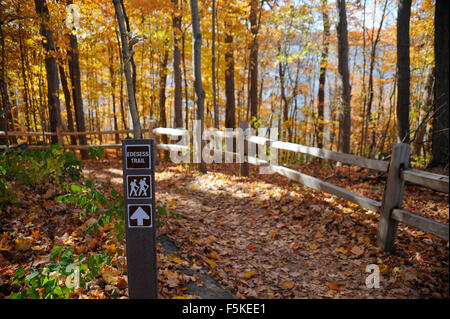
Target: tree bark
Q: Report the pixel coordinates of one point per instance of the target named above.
(200, 93)
(51, 67)
(253, 66)
(344, 78)
(323, 74)
(162, 93)
(213, 65)
(178, 98)
(440, 136)
(65, 86)
(403, 62)
(113, 90)
(128, 76)
(75, 78)
(4, 90)
(230, 109)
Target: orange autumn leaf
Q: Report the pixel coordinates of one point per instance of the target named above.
(334, 286)
(211, 263)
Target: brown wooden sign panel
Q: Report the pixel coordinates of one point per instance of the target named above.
(139, 204)
(138, 156)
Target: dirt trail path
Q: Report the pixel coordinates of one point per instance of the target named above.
(267, 237)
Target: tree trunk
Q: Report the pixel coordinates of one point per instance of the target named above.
(323, 74)
(373, 52)
(404, 12)
(4, 90)
(344, 77)
(440, 136)
(213, 65)
(113, 90)
(253, 66)
(186, 96)
(230, 109)
(178, 100)
(26, 95)
(121, 99)
(51, 68)
(162, 93)
(128, 76)
(66, 91)
(75, 78)
(200, 93)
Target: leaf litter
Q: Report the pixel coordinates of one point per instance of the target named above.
(259, 237)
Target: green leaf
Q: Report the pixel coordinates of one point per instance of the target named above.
(75, 188)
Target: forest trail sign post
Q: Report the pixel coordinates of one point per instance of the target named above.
(139, 203)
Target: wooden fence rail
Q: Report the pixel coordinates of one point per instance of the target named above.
(397, 170)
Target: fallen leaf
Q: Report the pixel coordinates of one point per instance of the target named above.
(334, 286)
(358, 251)
(4, 245)
(251, 247)
(23, 243)
(274, 235)
(212, 255)
(110, 274)
(122, 282)
(174, 258)
(342, 250)
(313, 246)
(110, 248)
(249, 274)
(211, 263)
(287, 285)
(296, 246)
(172, 279)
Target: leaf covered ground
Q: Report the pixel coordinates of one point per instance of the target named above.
(258, 237)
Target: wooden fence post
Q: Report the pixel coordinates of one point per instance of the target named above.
(392, 197)
(244, 164)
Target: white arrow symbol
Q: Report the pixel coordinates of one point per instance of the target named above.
(140, 215)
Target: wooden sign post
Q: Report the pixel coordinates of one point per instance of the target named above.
(140, 222)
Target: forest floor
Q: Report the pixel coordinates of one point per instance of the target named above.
(261, 236)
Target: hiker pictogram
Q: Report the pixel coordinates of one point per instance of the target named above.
(139, 186)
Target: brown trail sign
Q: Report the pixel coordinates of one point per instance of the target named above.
(139, 203)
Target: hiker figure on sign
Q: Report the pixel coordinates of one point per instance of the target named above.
(143, 187)
(134, 188)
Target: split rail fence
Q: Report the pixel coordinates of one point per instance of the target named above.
(397, 170)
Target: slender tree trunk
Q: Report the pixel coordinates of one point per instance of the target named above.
(4, 90)
(200, 93)
(51, 67)
(26, 95)
(162, 92)
(75, 79)
(66, 91)
(113, 90)
(373, 53)
(230, 109)
(404, 12)
(186, 96)
(253, 66)
(178, 100)
(344, 77)
(128, 76)
(213, 65)
(440, 134)
(121, 98)
(323, 74)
